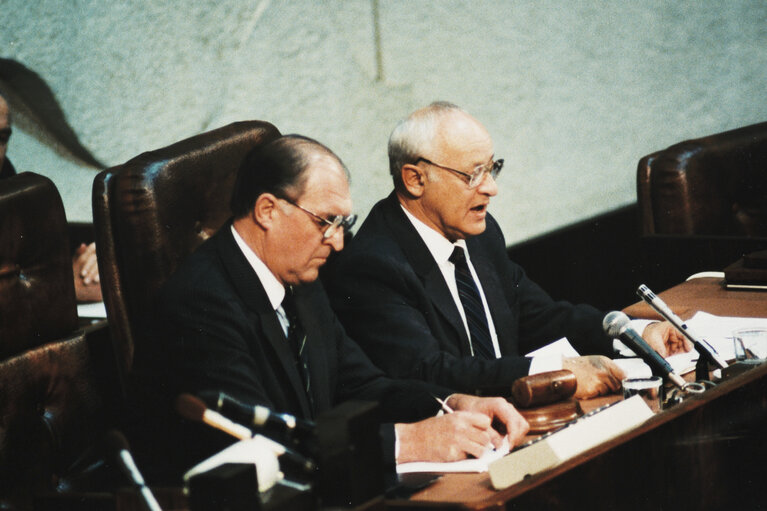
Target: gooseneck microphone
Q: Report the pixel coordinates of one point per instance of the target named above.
(617, 325)
(193, 408)
(257, 416)
(118, 447)
(703, 347)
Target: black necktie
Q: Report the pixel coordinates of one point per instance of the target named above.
(479, 332)
(297, 340)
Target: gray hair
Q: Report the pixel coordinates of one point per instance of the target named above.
(414, 135)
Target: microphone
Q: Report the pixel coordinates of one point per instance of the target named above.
(118, 446)
(703, 347)
(260, 416)
(193, 408)
(617, 325)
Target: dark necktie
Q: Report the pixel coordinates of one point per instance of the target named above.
(479, 332)
(297, 340)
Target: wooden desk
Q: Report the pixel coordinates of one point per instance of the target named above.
(706, 453)
(707, 295)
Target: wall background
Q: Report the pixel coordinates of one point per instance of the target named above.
(574, 92)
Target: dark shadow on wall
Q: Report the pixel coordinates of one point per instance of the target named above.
(595, 261)
(34, 109)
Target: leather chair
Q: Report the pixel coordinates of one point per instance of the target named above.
(155, 209)
(703, 202)
(54, 377)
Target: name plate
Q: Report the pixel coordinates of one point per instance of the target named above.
(573, 439)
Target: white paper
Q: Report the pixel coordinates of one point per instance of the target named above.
(561, 348)
(91, 310)
(469, 465)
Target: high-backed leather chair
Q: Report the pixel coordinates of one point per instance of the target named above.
(54, 377)
(155, 209)
(715, 185)
(703, 202)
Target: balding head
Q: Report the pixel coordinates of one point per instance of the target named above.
(441, 160)
(278, 167)
(421, 133)
(292, 206)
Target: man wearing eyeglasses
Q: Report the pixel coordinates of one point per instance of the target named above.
(244, 315)
(426, 286)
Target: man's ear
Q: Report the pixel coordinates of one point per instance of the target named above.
(264, 212)
(413, 179)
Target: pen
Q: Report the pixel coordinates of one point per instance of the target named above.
(443, 404)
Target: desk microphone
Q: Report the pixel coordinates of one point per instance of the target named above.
(260, 416)
(193, 408)
(617, 325)
(118, 447)
(703, 347)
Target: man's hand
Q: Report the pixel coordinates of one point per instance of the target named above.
(497, 410)
(86, 274)
(466, 432)
(665, 339)
(596, 375)
(450, 437)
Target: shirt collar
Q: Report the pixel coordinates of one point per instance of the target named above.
(439, 246)
(275, 291)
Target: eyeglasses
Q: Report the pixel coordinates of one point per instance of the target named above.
(476, 177)
(329, 226)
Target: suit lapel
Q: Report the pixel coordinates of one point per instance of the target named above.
(253, 294)
(426, 268)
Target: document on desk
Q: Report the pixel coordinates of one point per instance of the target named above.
(469, 465)
(717, 330)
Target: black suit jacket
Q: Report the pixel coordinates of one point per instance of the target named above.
(7, 169)
(393, 300)
(216, 331)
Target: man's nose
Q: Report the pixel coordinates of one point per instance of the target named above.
(336, 241)
(488, 186)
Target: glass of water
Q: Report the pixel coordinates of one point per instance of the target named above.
(650, 388)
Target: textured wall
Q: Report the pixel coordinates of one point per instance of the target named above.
(574, 92)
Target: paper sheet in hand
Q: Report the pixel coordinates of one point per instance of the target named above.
(469, 465)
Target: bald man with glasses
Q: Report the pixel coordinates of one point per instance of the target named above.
(426, 286)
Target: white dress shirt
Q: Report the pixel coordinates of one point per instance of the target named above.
(441, 249)
(275, 291)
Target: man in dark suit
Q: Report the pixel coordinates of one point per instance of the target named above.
(245, 315)
(426, 286)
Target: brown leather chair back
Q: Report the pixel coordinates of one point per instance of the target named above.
(51, 394)
(715, 185)
(157, 208)
(35, 265)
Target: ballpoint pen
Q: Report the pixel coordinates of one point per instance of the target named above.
(444, 405)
